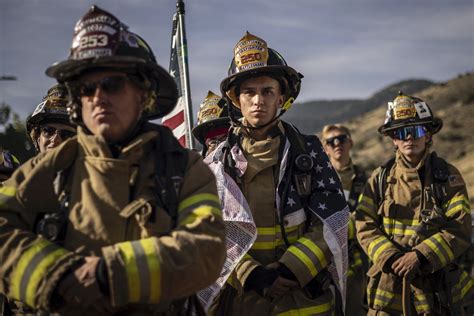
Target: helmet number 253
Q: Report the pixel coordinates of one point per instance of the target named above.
(90, 41)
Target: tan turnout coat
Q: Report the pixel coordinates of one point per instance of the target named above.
(392, 229)
(113, 214)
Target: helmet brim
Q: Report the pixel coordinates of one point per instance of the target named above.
(200, 130)
(285, 71)
(47, 118)
(166, 89)
(434, 125)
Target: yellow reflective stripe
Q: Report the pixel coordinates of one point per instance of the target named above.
(269, 245)
(400, 221)
(142, 268)
(8, 191)
(377, 246)
(131, 268)
(303, 258)
(400, 226)
(266, 230)
(357, 259)
(365, 204)
(364, 209)
(313, 310)
(201, 211)
(351, 229)
(421, 303)
(246, 257)
(32, 267)
(366, 200)
(434, 242)
(454, 210)
(350, 273)
(456, 204)
(381, 298)
(274, 230)
(455, 199)
(315, 250)
(445, 246)
(154, 268)
(198, 198)
(465, 289)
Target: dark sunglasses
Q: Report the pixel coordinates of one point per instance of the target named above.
(415, 131)
(340, 139)
(112, 84)
(49, 132)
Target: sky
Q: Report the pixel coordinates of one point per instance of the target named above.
(345, 49)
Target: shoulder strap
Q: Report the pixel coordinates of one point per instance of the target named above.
(381, 180)
(440, 174)
(170, 165)
(295, 138)
(357, 184)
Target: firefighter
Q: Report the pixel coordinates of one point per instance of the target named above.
(49, 125)
(291, 189)
(413, 221)
(213, 123)
(8, 164)
(337, 142)
(132, 224)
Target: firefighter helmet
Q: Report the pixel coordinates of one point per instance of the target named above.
(253, 57)
(53, 108)
(102, 41)
(409, 111)
(213, 116)
(8, 164)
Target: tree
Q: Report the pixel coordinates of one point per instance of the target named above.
(14, 137)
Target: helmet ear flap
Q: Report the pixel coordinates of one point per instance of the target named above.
(234, 98)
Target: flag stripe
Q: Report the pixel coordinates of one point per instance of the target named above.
(175, 121)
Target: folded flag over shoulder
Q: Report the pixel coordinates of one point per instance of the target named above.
(180, 120)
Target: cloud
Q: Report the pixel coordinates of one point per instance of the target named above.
(344, 48)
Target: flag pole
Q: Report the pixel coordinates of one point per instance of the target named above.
(186, 86)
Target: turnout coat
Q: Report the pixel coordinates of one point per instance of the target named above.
(113, 213)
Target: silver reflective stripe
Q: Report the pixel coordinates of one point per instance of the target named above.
(284, 161)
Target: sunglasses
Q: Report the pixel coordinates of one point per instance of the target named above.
(112, 84)
(341, 139)
(49, 132)
(415, 131)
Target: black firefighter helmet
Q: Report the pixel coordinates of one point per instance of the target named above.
(51, 109)
(252, 57)
(213, 115)
(101, 41)
(406, 110)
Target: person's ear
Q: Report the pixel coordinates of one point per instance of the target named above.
(281, 100)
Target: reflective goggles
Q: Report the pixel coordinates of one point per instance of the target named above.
(336, 140)
(415, 131)
(49, 132)
(112, 84)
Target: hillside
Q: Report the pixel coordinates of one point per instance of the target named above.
(452, 101)
(310, 117)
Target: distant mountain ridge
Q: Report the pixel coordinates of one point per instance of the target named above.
(311, 116)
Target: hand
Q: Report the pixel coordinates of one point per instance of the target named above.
(80, 287)
(280, 286)
(406, 264)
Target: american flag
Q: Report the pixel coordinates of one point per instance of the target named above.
(180, 119)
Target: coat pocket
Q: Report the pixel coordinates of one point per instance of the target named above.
(145, 220)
